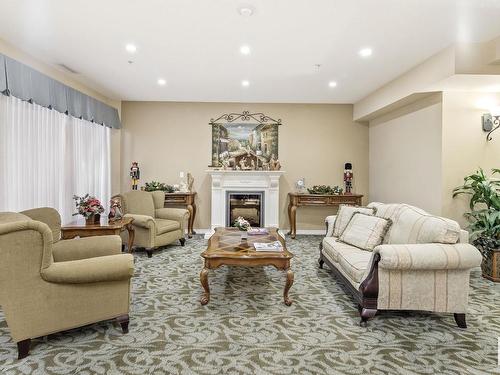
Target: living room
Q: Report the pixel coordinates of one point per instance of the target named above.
(249, 187)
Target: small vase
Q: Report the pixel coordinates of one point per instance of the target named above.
(93, 219)
(244, 235)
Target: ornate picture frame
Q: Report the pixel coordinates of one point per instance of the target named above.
(245, 141)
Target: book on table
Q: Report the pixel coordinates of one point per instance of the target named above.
(257, 231)
(268, 246)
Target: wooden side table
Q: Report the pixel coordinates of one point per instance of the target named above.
(187, 200)
(78, 228)
(299, 199)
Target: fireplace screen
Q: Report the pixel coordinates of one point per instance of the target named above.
(249, 205)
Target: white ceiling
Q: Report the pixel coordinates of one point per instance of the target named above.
(194, 44)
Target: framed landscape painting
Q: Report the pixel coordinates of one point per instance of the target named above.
(244, 141)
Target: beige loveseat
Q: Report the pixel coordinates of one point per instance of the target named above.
(47, 288)
(423, 263)
(154, 224)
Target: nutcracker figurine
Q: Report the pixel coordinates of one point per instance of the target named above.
(135, 174)
(348, 176)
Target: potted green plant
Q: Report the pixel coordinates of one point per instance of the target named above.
(484, 218)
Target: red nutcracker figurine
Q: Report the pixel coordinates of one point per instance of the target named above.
(135, 174)
(348, 176)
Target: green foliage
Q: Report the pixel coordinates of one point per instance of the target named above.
(484, 203)
(325, 189)
(155, 185)
(481, 189)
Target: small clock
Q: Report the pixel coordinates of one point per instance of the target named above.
(300, 185)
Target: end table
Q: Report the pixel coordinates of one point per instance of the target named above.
(78, 228)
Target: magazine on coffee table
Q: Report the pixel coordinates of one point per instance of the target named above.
(257, 231)
(268, 246)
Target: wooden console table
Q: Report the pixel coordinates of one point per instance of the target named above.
(299, 199)
(79, 228)
(183, 199)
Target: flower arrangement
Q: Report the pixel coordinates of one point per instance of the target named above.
(241, 223)
(87, 206)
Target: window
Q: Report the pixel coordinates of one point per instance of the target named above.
(46, 157)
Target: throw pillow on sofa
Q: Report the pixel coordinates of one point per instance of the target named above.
(344, 215)
(413, 225)
(365, 231)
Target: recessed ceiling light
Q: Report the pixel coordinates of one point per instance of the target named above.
(365, 52)
(245, 83)
(246, 10)
(162, 82)
(332, 84)
(245, 50)
(131, 48)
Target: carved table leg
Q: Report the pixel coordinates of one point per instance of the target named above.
(190, 220)
(293, 221)
(131, 237)
(290, 217)
(204, 282)
(194, 216)
(288, 285)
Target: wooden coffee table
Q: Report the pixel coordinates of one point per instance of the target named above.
(78, 228)
(226, 248)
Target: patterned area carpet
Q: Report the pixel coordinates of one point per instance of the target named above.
(246, 328)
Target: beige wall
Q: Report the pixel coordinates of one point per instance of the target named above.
(314, 142)
(66, 78)
(405, 155)
(464, 145)
(419, 153)
(416, 80)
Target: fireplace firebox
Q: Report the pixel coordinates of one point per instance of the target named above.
(248, 204)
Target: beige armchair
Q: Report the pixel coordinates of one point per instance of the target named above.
(154, 225)
(45, 288)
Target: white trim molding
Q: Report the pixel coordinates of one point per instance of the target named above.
(265, 181)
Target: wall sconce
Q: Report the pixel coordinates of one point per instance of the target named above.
(490, 124)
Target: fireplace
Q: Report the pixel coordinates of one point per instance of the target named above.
(248, 204)
(265, 183)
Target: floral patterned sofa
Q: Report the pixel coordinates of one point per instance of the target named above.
(422, 262)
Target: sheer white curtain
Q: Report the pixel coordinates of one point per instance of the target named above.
(46, 157)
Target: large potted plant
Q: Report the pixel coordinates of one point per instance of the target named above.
(484, 218)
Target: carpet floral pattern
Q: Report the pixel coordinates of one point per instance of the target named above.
(246, 328)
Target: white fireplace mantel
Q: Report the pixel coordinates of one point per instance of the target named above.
(229, 180)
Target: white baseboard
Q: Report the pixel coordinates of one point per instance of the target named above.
(312, 232)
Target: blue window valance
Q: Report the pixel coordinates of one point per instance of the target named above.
(26, 83)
